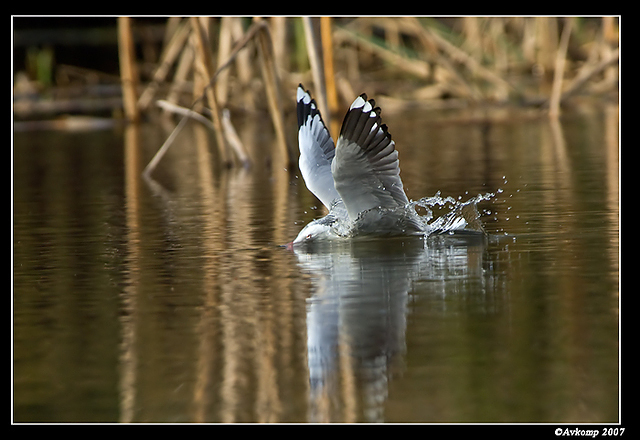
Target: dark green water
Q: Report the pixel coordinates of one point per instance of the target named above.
(134, 302)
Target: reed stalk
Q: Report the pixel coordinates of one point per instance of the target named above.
(259, 29)
(234, 140)
(546, 35)
(242, 58)
(418, 68)
(185, 64)
(458, 55)
(329, 73)
(272, 88)
(178, 110)
(128, 69)
(609, 34)
(317, 72)
(554, 101)
(224, 49)
(588, 72)
(279, 37)
(170, 53)
(205, 66)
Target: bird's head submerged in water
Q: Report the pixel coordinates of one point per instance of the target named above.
(316, 230)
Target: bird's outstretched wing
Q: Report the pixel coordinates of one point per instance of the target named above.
(316, 149)
(365, 168)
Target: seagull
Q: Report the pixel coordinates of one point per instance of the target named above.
(358, 180)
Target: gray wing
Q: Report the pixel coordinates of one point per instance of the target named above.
(316, 149)
(365, 169)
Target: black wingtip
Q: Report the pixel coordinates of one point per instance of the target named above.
(307, 108)
(359, 125)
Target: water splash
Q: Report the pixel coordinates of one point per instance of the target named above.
(453, 215)
(458, 215)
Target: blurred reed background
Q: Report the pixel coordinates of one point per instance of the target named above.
(214, 69)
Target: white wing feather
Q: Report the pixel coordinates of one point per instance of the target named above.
(316, 150)
(365, 168)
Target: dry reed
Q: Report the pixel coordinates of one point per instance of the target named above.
(554, 100)
(128, 70)
(409, 61)
(481, 63)
(260, 31)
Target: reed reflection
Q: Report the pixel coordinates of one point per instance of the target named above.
(357, 314)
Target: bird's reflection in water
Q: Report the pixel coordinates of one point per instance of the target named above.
(356, 316)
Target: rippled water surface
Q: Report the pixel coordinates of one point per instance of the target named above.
(171, 300)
